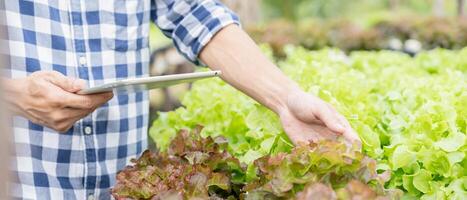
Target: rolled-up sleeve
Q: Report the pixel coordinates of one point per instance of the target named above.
(191, 23)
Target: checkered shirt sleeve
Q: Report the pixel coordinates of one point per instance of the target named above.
(191, 23)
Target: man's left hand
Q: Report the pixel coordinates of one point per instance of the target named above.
(308, 118)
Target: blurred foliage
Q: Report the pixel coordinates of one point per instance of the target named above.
(277, 34)
(157, 39)
(295, 10)
(427, 32)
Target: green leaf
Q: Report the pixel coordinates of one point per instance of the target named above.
(402, 157)
(437, 162)
(422, 180)
(220, 180)
(453, 142)
(455, 157)
(369, 138)
(457, 190)
(407, 181)
(250, 156)
(261, 119)
(268, 144)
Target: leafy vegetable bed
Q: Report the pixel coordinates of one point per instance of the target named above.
(411, 114)
(201, 168)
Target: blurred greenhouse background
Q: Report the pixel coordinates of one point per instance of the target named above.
(401, 25)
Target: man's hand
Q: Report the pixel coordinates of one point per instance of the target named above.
(48, 98)
(243, 65)
(308, 118)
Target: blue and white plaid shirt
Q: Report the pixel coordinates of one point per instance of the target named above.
(99, 41)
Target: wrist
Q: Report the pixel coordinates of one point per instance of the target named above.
(288, 91)
(13, 90)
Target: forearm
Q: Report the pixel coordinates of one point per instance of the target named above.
(245, 67)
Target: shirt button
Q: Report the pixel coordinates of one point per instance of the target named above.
(91, 197)
(82, 60)
(87, 130)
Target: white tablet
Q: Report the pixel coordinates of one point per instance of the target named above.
(147, 83)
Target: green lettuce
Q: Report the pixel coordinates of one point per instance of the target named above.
(411, 114)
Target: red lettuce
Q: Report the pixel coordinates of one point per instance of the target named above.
(201, 168)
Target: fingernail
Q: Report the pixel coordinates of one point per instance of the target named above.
(340, 127)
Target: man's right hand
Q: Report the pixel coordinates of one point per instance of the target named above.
(49, 98)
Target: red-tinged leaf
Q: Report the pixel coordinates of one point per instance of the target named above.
(357, 190)
(317, 191)
(169, 195)
(177, 146)
(196, 157)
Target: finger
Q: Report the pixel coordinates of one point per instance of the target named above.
(324, 132)
(351, 136)
(90, 101)
(66, 83)
(342, 120)
(74, 114)
(64, 119)
(330, 117)
(71, 100)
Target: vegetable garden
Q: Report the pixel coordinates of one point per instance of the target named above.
(397, 74)
(410, 112)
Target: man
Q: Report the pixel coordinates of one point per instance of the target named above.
(70, 146)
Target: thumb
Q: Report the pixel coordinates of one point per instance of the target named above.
(68, 84)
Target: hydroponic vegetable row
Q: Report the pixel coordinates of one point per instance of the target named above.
(411, 114)
(410, 34)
